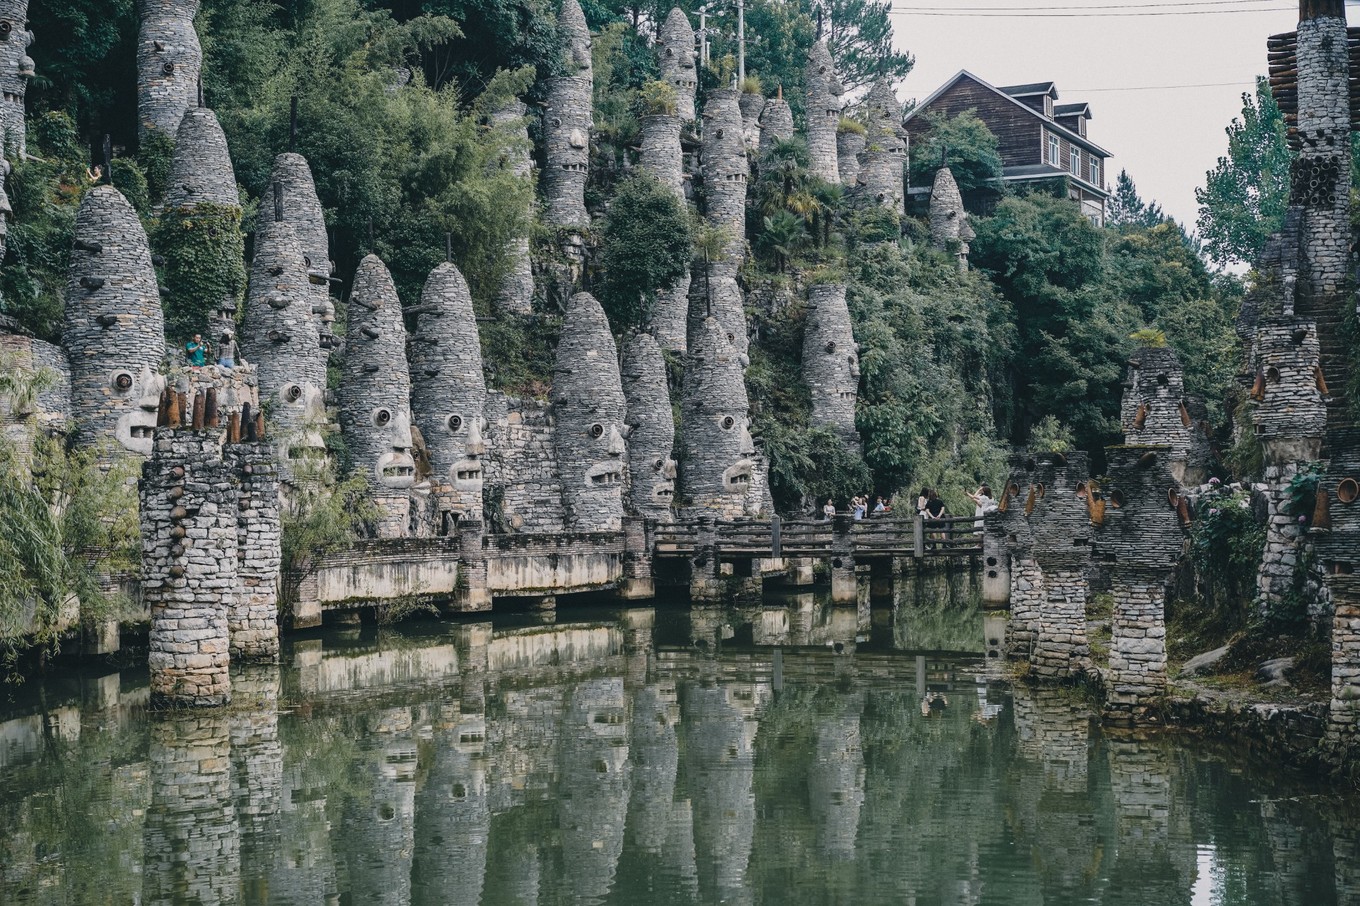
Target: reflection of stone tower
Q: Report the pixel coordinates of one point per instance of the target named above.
(1145, 859)
(169, 60)
(253, 615)
(651, 430)
(16, 68)
(302, 210)
(836, 779)
(1061, 531)
(191, 831)
(516, 293)
(189, 566)
(257, 770)
(448, 391)
(885, 154)
(823, 111)
(677, 61)
(453, 815)
(375, 389)
(719, 476)
(1155, 410)
(831, 361)
(776, 122)
(587, 393)
(566, 125)
(1141, 543)
(594, 766)
(114, 330)
(203, 185)
(950, 230)
(383, 820)
(656, 755)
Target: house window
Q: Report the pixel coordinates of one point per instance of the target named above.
(1053, 150)
(1048, 106)
(1074, 163)
(1095, 171)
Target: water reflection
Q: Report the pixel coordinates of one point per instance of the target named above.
(783, 751)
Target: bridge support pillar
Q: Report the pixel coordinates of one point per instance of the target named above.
(844, 585)
(800, 571)
(996, 560)
(705, 582)
(638, 581)
(472, 595)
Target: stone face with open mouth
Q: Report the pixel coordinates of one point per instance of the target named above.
(604, 475)
(137, 426)
(737, 478)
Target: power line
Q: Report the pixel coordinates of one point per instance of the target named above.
(1159, 87)
(996, 14)
(1084, 7)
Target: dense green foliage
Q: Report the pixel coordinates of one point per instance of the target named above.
(204, 268)
(646, 240)
(968, 145)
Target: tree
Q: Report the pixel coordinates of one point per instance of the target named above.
(1244, 197)
(974, 157)
(1127, 210)
(859, 34)
(647, 242)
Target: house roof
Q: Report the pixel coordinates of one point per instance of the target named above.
(1056, 127)
(1029, 89)
(1081, 109)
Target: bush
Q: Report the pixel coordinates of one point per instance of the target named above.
(647, 247)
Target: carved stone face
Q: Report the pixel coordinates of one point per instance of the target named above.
(466, 474)
(137, 424)
(605, 445)
(737, 477)
(301, 406)
(396, 467)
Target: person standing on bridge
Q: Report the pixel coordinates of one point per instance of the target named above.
(829, 511)
(982, 503)
(933, 513)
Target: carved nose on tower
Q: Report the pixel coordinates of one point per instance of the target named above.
(616, 447)
(475, 445)
(748, 445)
(401, 431)
(150, 386)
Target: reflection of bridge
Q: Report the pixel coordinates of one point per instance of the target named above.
(717, 557)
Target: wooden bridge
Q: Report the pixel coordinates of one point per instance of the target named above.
(872, 538)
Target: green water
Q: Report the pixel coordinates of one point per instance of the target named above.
(786, 753)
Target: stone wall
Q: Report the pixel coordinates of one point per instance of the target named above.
(831, 360)
(776, 122)
(823, 111)
(752, 106)
(718, 468)
(516, 293)
(1061, 532)
(375, 393)
(663, 157)
(882, 180)
(523, 491)
(1154, 410)
(950, 230)
(169, 60)
(725, 172)
(50, 413)
(1336, 539)
(190, 566)
(850, 146)
(16, 68)
(650, 430)
(114, 329)
(588, 402)
(252, 617)
(677, 61)
(567, 120)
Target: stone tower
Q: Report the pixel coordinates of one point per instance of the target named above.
(1060, 527)
(752, 106)
(302, 210)
(725, 173)
(885, 154)
(663, 158)
(448, 391)
(252, 617)
(831, 360)
(950, 230)
(1141, 541)
(375, 393)
(587, 396)
(850, 145)
(776, 121)
(677, 61)
(651, 430)
(280, 338)
(169, 61)
(566, 125)
(516, 293)
(1155, 410)
(16, 68)
(114, 331)
(202, 180)
(719, 464)
(823, 111)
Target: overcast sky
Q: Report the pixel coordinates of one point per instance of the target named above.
(1166, 139)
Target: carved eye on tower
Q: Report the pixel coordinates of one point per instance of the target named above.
(670, 51)
(557, 121)
(728, 423)
(821, 70)
(168, 68)
(658, 464)
(121, 381)
(830, 346)
(292, 393)
(597, 430)
(382, 417)
(6, 27)
(454, 423)
(718, 134)
(1162, 379)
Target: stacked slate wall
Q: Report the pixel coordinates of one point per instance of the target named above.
(1154, 410)
(252, 617)
(516, 293)
(16, 68)
(719, 468)
(523, 492)
(725, 173)
(950, 230)
(885, 157)
(650, 429)
(823, 112)
(1026, 580)
(677, 61)
(1061, 531)
(566, 126)
(1336, 541)
(831, 360)
(169, 61)
(302, 210)
(776, 122)
(663, 157)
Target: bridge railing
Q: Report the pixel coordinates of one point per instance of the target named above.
(872, 537)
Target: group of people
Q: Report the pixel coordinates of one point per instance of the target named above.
(199, 352)
(859, 507)
(929, 506)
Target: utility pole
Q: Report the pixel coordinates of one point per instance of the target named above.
(741, 43)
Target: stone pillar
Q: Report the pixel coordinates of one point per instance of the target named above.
(720, 467)
(1062, 548)
(516, 293)
(1337, 544)
(850, 146)
(885, 157)
(114, 330)
(169, 60)
(252, 620)
(302, 210)
(725, 173)
(473, 594)
(823, 111)
(375, 393)
(844, 587)
(950, 230)
(1141, 541)
(566, 126)
(638, 581)
(663, 158)
(587, 394)
(257, 772)
(752, 106)
(191, 833)
(996, 560)
(705, 582)
(677, 61)
(16, 68)
(190, 577)
(448, 393)
(1026, 579)
(651, 431)
(831, 361)
(776, 122)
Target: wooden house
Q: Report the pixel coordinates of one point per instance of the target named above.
(1039, 139)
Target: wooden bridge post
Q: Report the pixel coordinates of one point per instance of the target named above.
(844, 588)
(918, 536)
(704, 581)
(472, 594)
